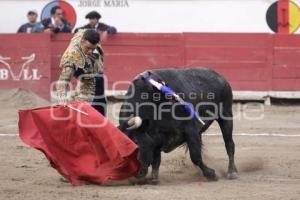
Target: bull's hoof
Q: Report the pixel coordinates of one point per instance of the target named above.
(138, 181)
(211, 175)
(63, 180)
(214, 178)
(232, 175)
(154, 181)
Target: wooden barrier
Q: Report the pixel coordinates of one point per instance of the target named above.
(251, 62)
(25, 62)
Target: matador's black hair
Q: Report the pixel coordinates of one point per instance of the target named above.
(92, 36)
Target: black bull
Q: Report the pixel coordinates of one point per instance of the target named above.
(156, 122)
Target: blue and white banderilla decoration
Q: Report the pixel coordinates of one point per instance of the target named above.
(166, 90)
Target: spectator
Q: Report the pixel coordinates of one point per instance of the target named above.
(32, 25)
(94, 18)
(56, 24)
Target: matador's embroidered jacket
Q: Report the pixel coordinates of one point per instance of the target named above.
(86, 69)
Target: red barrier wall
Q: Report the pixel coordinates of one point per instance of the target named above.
(25, 62)
(257, 62)
(244, 59)
(286, 62)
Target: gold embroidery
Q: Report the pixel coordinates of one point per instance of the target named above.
(72, 60)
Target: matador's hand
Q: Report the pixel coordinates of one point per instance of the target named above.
(62, 100)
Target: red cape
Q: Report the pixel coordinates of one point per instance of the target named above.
(81, 148)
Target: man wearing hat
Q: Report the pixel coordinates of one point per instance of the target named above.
(56, 23)
(32, 25)
(94, 23)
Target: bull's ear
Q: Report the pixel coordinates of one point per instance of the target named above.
(145, 126)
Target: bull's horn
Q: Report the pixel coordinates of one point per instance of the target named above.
(134, 123)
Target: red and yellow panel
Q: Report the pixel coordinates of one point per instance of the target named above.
(283, 16)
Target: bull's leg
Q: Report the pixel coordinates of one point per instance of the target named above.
(194, 143)
(145, 156)
(226, 126)
(155, 166)
(145, 163)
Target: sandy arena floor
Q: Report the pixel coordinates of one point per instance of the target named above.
(269, 165)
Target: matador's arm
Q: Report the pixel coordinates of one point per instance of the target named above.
(63, 83)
